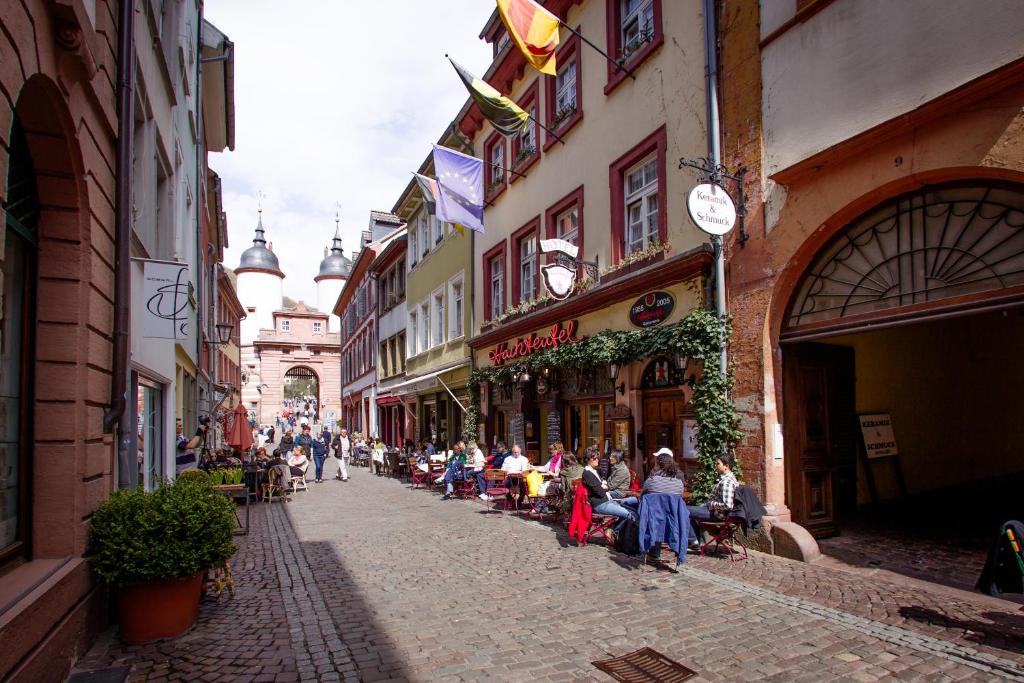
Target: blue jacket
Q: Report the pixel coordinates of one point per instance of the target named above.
(318, 448)
(664, 518)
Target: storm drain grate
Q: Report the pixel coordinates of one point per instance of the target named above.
(643, 666)
(117, 674)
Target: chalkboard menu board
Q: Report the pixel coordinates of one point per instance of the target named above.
(517, 428)
(554, 427)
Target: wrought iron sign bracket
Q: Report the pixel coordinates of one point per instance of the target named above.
(715, 173)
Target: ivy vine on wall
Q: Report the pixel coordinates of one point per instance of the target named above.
(699, 336)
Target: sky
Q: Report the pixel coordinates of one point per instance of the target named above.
(336, 101)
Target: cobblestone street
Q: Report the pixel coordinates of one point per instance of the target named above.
(371, 581)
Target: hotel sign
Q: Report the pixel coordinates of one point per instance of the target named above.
(560, 334)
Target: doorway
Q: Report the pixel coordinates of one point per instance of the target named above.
(302, 394)
(667, 421)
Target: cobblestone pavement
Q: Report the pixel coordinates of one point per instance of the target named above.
(367, 580)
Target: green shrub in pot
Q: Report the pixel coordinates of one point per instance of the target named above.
(174, 532)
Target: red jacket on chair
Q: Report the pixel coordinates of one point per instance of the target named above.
(579, 522)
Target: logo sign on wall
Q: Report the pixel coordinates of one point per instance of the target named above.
(652, 309)
(165, 295)
(711, 209)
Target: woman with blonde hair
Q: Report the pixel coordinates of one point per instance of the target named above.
(554, 465)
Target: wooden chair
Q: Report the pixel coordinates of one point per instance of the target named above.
(273, 487)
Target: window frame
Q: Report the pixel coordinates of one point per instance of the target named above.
(425, 325)
(574, 198)
(286, 325)
(492, 190)
(570, 51)
(531, 229)
(497, 252)
(318, 327)
(457, 322)
(413, 246)
(414, 334)
(657, 143)
(529, 100)
(613, 26)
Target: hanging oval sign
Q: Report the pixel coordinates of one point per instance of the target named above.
(652, 309)
(711, 208)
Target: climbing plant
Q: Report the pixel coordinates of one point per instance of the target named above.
(699, 336)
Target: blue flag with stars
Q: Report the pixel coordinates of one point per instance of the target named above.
(460, 184)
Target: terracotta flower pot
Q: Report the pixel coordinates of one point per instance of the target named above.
(161, 609)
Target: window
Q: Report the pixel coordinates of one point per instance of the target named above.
(634, 33)
(638, 197)
(567, 225)
(401, 351)
(400, 289)
(456, 307)
(318, 327)
(501, 42)
(286, 325)
(424, 327)
(524, 145)
(393, 355)
(565, 91)
(424, 228)
(438, 227)
(385, 368)
(642, 205)
(437, 313)
(494, 282)
(413, 332)
(563, 105)
(494, 154)
(526, 264)
(414, 252)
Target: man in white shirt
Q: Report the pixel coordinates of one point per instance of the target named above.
(516, 463)
(343, 451)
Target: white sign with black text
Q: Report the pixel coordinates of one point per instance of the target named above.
(711, 209)
(879, 438)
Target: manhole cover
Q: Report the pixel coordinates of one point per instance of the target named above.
(645, 665)
(116, 674)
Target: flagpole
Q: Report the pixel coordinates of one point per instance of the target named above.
(550, 132)
(586, 40)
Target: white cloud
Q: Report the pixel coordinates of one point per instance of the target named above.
(335, 101)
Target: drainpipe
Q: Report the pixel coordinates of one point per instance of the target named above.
(200, 147)
(714, 152)
(118, 412)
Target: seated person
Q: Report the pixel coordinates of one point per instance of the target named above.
(664, 479)
(475, 464)
(722, 498)
(516, 463)
(455, 469)
(597, 492)
(298, 462)
(278, 464)
(554, 465)
(619, 478)
(498, 458)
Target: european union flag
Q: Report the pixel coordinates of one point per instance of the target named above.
(460, 182)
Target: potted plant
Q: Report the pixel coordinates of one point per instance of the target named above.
(153, 548)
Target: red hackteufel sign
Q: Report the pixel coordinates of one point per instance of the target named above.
(558, 336)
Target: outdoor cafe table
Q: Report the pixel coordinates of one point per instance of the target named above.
(237, 492)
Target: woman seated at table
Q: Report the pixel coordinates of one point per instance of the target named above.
(298, 463)
(554, 465)
(597, 491)
(571, 472)
(665, 477)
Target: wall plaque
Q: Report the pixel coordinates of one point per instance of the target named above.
(652, 309)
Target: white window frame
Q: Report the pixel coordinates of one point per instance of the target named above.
(565, 87)
(437, 317)
(425, 332)
(635, 23)
(318, 327)
(572, 235)
(528, 135)
(413, 337)
(497, 297)
(437, 228)
(641, 229)
(286, 325)
(457, 306)
(497, 160)
(414, 252)
(424, 227)
(530, 260)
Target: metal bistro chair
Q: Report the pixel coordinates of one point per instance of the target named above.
(417, 477)
(725, 533)
(435, 471)
(464, 488)
(498, 490)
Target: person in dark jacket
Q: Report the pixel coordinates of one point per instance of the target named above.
(597, 491)
(318, 447)
(664, 479)
(500, 453)
(287, 443)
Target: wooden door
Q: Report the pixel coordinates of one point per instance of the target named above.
(820, 436)
(663, 427)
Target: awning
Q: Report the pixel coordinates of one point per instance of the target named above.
(425, 378)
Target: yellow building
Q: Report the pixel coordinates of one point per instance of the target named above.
(612, 188)
(439, 266)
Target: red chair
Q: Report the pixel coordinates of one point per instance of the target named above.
(600, 525)
(419, 478)
(724, 534)
(435, 471)
(494, 481)
(464, 488)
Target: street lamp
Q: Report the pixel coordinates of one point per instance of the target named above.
(224, 331)
(613, 374)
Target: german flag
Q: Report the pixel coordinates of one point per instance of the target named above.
(534, 30)
(504, 114)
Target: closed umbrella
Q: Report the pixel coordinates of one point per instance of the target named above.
(240, 435)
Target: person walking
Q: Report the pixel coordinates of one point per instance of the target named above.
(342, 451)
(287, 443)
(319, 450)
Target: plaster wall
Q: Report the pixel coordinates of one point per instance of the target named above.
(858, 63)
(265, 293)
(327, 292)
(953, 390)
(668, 90)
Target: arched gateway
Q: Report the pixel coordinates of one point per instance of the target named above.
(300, 385)
(915, 311)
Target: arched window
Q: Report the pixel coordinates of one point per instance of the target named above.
(953, 243)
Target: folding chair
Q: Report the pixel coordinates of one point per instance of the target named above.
(725, 534)
(300, 482)
(600, 525)
(497, 490)
(436, 470)
(417, 477)
(464, 488)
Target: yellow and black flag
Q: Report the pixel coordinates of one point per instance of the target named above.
(502, 112)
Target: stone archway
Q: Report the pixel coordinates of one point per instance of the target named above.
(301, 384)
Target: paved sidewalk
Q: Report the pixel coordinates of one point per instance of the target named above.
(367, 580)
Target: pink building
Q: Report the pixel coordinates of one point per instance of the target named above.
(298, 357)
